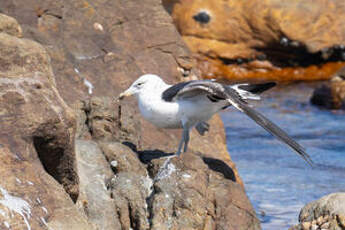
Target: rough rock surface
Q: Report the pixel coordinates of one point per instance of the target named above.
(196, 191)
(197, 183)
(325, 213)
(269, 39)
(97, 48)
(331, 95)
(37, 160)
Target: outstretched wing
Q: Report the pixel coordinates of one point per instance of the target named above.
(266, 124)
(215, 91)
(236, 96)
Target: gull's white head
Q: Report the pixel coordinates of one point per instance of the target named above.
(143, 83)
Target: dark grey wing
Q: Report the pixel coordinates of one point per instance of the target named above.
(237, 102)
(170, 93)
(213, 90)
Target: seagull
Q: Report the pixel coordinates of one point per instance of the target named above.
(191, 104)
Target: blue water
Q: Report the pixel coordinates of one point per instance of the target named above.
(278, 182)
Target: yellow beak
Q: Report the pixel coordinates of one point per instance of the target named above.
(124, 94)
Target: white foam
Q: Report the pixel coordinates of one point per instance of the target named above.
(17, 205)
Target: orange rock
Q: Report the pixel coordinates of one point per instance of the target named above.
(263, 39)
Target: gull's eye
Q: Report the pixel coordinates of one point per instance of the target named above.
(140, 83)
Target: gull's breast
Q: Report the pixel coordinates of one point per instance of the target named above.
(160, 113)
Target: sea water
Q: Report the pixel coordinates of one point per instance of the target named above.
(279, 182)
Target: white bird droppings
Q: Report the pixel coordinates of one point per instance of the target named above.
(17, 205)
(44, 210)
(7, 224)
(88, 85)
(113, 164)
(98, 26)
(166, 170)
(187, 176)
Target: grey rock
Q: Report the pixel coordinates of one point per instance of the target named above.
(332, 204)
(94, 176)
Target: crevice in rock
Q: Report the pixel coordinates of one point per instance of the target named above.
(49, 155)
(87, 111)
(149, 203)
(53, 159)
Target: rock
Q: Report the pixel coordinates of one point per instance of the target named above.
(306, 225)
(126, 160)
(95, 176)
(325, 213)
(10, 26)
(325, 225)
(91, 67)
(332, 204)
(331, 95)
(242, 41)
(192, 193)
(37, 158)
(196, 192)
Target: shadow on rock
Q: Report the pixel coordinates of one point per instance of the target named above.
(221, 167)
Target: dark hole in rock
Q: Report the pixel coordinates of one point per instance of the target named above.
(202, 17)
(221, 167)
(52, 157)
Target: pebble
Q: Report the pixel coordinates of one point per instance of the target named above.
(98, 26)
(325, 225)
(314, 227)
(306, 225)
(319, 220)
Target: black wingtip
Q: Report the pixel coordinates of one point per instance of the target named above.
(307, 158)
(258, 88)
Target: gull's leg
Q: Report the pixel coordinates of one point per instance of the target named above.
(182, 141)
(186, 139)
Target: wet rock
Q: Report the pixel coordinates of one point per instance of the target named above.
(325, 213)
(37, 158)
(331, 95)
(219, 34)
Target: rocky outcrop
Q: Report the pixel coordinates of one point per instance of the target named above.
(331, 95)
(269, 39)
(96, 50)
(196, 191)
(37, 159)
(325, 213)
